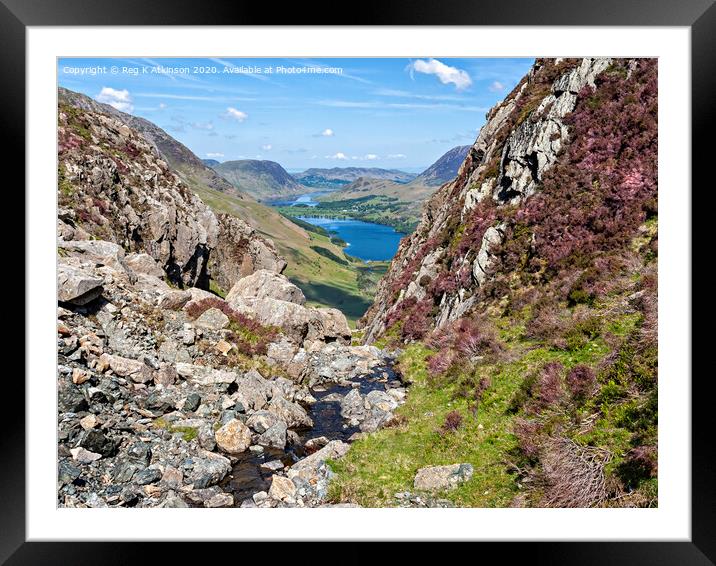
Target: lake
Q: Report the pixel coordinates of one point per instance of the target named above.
(306, 199)
(366, 240)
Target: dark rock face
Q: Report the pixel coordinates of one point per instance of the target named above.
(192, 402)
(97, 442)
(71, 400)
(241, 251)
(67, 473)
(140, 453)
(150, 475)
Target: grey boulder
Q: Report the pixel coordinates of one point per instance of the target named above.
(76, 286)
(265, 283)
(436, 478)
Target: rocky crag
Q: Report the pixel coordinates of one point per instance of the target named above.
(114, 186)
(453, 252)
(167, 393)
(527, 297)
(192, 170)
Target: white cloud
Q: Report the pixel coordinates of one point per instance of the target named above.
(366, 157)
(327, 133)
(206, 126)
(119, 99)
(266, 147)
(213, 155)
(162, 106)
(496, 86)
(339, 155)
(444, 73)
(397, 156)
(235, 114)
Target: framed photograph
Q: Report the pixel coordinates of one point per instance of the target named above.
(295, 278)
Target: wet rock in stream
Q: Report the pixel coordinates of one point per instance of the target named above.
(303, 462)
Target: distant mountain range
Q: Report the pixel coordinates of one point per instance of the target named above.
(338, 177)
(390, 202)
(444, 169)
(366, 186)
(415, 191)
(263, 180)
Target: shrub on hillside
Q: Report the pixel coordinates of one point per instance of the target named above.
(417, 324)
(529, 437)
(573, 475)
(411, 318)
(249, 336)
(548, 323)
(581, 381)
(640, 463)
(648, 303)
(194, 309)
(452, 422)
(470, 336)
(584, 326)
(474, 397)
(540, 391)
(549, 386)
(632, 367)
(440, 362)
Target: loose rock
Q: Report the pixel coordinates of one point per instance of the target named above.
(281, 488)
(436, 478)
(234, 437)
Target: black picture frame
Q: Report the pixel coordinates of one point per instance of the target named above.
(698, 15)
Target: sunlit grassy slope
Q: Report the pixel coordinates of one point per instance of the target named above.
(384, 463)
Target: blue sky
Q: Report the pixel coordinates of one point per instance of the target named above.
(387, 112)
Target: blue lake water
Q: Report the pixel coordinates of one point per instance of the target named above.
(306, 199)
(366, 240)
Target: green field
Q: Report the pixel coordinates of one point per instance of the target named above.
(391, 211)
